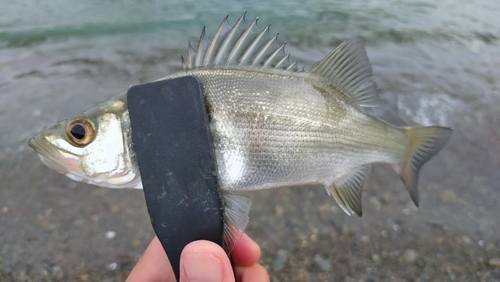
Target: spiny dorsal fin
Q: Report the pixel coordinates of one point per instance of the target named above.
(347, 192)
(348, 69)
(190, 58)
(239, 45)
(203, 44)
(229, 40)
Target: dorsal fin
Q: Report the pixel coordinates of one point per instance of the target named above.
(203, 44)
(239, 45)
(228, 42)
(348, 69)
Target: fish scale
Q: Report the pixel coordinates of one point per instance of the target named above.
(329, 125)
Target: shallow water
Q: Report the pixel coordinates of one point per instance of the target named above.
(48, 50)
(435, 63)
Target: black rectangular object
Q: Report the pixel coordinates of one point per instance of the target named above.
(173, 147)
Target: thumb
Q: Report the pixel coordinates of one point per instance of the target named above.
(205, 261)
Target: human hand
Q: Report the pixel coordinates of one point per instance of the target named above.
(202, 261)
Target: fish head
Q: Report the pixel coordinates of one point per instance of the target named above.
(93, 147)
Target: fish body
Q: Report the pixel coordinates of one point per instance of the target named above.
(273, 129)
(272, 124)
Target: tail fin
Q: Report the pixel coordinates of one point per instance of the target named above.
(424, 143)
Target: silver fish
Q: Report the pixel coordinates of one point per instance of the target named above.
(272, 123)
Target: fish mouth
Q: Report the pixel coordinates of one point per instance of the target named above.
(49, 157)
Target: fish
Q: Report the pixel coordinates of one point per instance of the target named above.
(273, 124)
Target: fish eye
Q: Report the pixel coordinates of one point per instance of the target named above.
(80, 131)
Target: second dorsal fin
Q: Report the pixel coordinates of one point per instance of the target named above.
(348, 69)
(239, 45)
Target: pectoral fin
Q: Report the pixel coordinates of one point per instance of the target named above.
(236, 209)
(347, 192)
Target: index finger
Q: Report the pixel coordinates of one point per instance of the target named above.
(246, 252)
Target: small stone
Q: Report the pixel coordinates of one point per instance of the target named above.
(439, 240)
(5, 209)
(376, 258)
(302, 275)
(136, 243)
(63, 246)
(48, 212)
(494, 262)
(115, 209)
(279, 211)
(324, 263)
(79, 222)
(375, 202)
(324, 208)
(335, 209)
(448, 196)
(110, 235)
(314, 238)
(410, 255)
(346, 230)
(130, 224)
(280, 260)
(84, 277)
(112, 266)
(490, 247)
(466, 240)
(365, 239)
(57, 272)
(20, 276)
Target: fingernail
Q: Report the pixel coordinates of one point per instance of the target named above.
(202, 267)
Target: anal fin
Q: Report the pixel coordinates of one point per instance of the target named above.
(347, 192)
